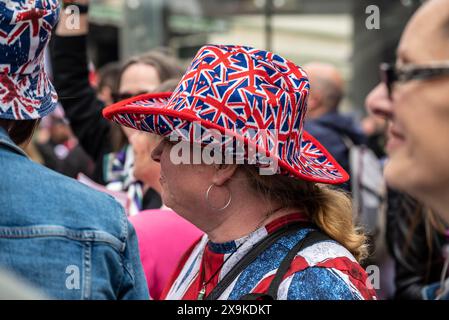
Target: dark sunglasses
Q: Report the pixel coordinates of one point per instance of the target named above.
(125, 95)
(390, 74)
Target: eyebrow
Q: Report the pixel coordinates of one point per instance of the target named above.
(402, 57)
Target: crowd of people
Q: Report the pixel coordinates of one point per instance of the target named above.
(237, 177)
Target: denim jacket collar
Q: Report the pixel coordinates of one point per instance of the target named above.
(5, 140)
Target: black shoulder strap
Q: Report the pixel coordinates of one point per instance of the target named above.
(272, 294)
(251, 256)
(312, 238)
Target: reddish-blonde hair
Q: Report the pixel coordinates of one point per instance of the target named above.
(329, 209)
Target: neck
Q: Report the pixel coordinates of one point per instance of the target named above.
(439, 202)
(243, 222)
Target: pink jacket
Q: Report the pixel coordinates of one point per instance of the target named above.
(163, 238)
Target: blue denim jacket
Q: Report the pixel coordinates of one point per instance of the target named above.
(68, 240)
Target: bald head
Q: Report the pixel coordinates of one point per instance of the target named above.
(326, 88)
(317, 71)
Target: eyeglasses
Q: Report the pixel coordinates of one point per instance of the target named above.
(126, 95)
(390, 74)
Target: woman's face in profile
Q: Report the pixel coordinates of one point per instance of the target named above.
(137, 79)
(145, 168)
(183, 181)
(418, 149)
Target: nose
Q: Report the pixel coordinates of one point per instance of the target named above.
(378, 102)
(156, 153)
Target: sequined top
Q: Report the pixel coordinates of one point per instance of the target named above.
(323, 271)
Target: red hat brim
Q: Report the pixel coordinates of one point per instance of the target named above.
(148, 113)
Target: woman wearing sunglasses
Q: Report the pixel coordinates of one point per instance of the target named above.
(418, 87)
(106, 144)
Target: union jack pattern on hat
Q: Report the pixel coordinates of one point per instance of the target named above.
(251, 95)
(25, 29)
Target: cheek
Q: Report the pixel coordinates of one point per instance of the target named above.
(422, 162)
(145, 168)
(171, 175)
(138, 167)
(412, 118)
(164, 160)
(141, 159)
(424, 116)
(129, 132)
(182, 184)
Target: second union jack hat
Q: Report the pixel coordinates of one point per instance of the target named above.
(254, 96)
(25, 28)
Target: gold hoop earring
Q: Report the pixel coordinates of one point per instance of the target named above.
(215, 208)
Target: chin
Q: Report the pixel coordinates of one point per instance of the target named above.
(403, 176)
(397, 176)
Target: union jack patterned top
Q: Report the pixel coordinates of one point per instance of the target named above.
(323, 271)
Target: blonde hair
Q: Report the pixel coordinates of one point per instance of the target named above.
(329, 209)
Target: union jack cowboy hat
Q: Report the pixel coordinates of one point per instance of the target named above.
(25, 28)
(241, 92)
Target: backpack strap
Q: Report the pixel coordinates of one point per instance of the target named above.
(312, 238)
(252, 255)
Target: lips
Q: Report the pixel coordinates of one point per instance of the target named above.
(394, 131)
(395, 138)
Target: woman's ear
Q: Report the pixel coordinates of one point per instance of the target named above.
(223, 173)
